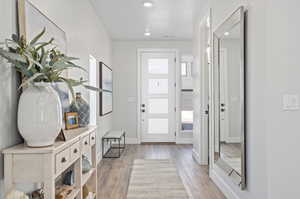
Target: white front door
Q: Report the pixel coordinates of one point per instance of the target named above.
(158, 96)
(224, 119)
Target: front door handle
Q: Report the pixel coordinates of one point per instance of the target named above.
(222, 109)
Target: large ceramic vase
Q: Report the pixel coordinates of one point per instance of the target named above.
(39, 115)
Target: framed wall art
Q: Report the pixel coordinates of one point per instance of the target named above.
(106, 85)
(32, 21)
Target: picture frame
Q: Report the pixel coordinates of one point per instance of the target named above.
(71, 120)
(32, 21)
(106, 78)
(106, 85)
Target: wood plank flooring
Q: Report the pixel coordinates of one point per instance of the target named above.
(114, 174)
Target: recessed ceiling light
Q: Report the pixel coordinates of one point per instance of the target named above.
(147, 34)
(226, 33)
(148, 4)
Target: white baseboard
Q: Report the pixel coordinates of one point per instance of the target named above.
(196, 156)
(233, 140)
(184, 141)
(99, 158)
(223, 186)
(132, 141)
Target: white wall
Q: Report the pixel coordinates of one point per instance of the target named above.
(86, 36)
(125, 80)
(282, 76)
(9, 84)
(256, 132)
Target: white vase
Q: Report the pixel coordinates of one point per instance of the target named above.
(39, 115)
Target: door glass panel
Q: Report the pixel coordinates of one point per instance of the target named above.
(158, 66)
(158, 106)
(184, 69)
(158, 126)
(158, 86)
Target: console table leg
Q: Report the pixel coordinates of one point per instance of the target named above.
(8, 176)
(49, 180)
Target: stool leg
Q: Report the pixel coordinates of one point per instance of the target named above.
(102, 147)
(119, 147)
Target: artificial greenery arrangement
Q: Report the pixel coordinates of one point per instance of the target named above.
(40, 61)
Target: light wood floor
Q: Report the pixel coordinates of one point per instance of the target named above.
(114, 174)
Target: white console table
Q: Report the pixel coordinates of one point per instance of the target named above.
(23, 164)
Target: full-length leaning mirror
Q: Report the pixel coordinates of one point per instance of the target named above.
(229, 101)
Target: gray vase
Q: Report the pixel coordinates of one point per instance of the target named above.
(83, 110)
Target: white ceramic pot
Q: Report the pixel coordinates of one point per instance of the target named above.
(39, 115)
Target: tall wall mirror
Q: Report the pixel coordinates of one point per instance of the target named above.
(228, 97)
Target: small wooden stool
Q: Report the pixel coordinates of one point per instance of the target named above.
(113, 136)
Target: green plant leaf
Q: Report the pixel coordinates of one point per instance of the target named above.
(31, 79)
(44, 58)
(34, 40)
(23, 69)
(12, 56)
(92, 88)
(44, 44)
(31, 59)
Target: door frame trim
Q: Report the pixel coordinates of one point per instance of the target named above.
(177, 89)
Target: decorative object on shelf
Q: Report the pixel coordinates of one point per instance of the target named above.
(61, 136)
(106, 85)
(16, 195)
(83, 110)
(71, 119)
(39, 114)
(38, 194)
(86, 164)
(63, 192)
(63, 93)
(69, 178)
(85, 191)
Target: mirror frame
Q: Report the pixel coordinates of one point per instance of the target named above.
(236, 17)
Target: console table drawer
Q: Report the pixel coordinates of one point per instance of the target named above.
(86, 143)
(75, 151)
(62, 160)
(93, 138)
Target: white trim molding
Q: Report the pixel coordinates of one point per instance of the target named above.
(180, 140)
(177, 90)
(223, 186)
(99, 158)
(132, 140)
(196, 156)
(233, 140)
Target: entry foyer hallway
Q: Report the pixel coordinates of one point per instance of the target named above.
(114, 174)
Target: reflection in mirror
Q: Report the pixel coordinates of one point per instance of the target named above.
(230, 110)
(228, 76)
